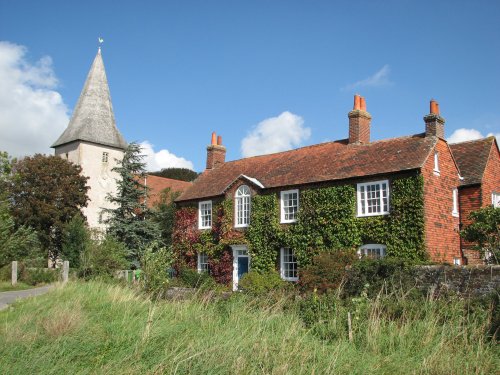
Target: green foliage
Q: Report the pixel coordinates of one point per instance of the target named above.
(130, 222)
(485, 232)
(182, 174)
(326, 271)
(264, 233)
(46, 193)
(15, 244)
(76, 240)
(260, 283)
(37, 276)
(103, 258)
(372, 275)
(163, 213)
(155, 264)
(193, 279)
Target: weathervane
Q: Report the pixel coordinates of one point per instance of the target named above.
(101, 41)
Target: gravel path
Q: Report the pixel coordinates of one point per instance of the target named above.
(8, 297)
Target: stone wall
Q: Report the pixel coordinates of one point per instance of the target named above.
(466, 281)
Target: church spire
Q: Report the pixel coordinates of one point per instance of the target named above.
(93, 119)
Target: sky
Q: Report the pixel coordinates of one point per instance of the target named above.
(267, 76)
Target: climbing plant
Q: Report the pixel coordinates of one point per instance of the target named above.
(327, 222)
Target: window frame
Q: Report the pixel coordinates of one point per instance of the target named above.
(372, 246)
(359, 201)
(203, 266)
(437, 172)
(495, 199)
(105, 157)
(200, 219)
(282, 265)
(282, 206)
(454, 211)
(237, 206)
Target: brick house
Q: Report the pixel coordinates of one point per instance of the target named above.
(157, 185)
(479, 164)
(370, 171)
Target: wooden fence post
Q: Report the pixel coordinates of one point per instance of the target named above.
(14, 273)
(65, 273)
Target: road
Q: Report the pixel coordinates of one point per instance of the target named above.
(7, 298)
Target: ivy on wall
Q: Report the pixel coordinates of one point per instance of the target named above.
(326, 222)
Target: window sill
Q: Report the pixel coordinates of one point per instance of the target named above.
(437, 173)
(204, 228)
(292, 279)
(455, 214)
(288, 222)
(374, 214)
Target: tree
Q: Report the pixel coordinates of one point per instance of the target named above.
(75, 241)
(130, 221)
(15, 244)
(182, 174)
(164, 214)
(485, 232)
(46, 192)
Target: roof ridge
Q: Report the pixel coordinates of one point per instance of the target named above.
(488, 138)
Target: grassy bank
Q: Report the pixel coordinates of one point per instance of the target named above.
(98, 328)
(6, 286)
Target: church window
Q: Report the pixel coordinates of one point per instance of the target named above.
(105, 156)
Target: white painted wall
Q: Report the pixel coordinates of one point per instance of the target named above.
(101, 179)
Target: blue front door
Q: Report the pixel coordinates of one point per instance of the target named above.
(242, 266)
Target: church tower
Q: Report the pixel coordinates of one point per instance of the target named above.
(93, 141)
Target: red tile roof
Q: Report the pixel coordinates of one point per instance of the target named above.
(322, 162)
(471, 158)
(157, 184)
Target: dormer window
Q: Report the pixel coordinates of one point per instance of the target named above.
(105, 157)
(242, 207)
(436, 163)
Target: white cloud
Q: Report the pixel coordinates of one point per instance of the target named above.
(32, 113)
(275, 134)
(156, 161)
(380, 78)
(462, 135)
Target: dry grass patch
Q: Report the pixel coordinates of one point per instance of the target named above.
(63, 320)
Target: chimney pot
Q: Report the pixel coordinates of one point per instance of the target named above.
(359, 122)
(214, 138)
(356, 102)
(434, 107)
(219, 140)
(362, 103)
(434, 123)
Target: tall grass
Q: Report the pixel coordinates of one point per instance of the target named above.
(87, 328)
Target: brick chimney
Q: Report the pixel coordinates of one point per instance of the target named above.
(359, 122)
(216, 152)
(434, 123)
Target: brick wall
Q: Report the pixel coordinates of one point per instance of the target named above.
(469, 200)
(491, 176)
(441, 227)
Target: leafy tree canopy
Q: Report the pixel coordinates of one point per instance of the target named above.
(130, 221)
(45, 193)
(182, 174)
(485, 232)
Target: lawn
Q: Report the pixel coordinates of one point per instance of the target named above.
(94, 327)
(6, 286)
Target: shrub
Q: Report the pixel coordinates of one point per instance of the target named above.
(103, 258)
(192, 279)
(258, 283)
(76, 239)
(36, 276)
(378, 273)
(156, 263)
(327, 271)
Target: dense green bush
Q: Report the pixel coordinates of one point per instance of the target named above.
(327, 271)
(103, 258)
(258, 283)
(375, 274)
(76, 239)
(36, 276)
(194, 279)
(155, 265)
